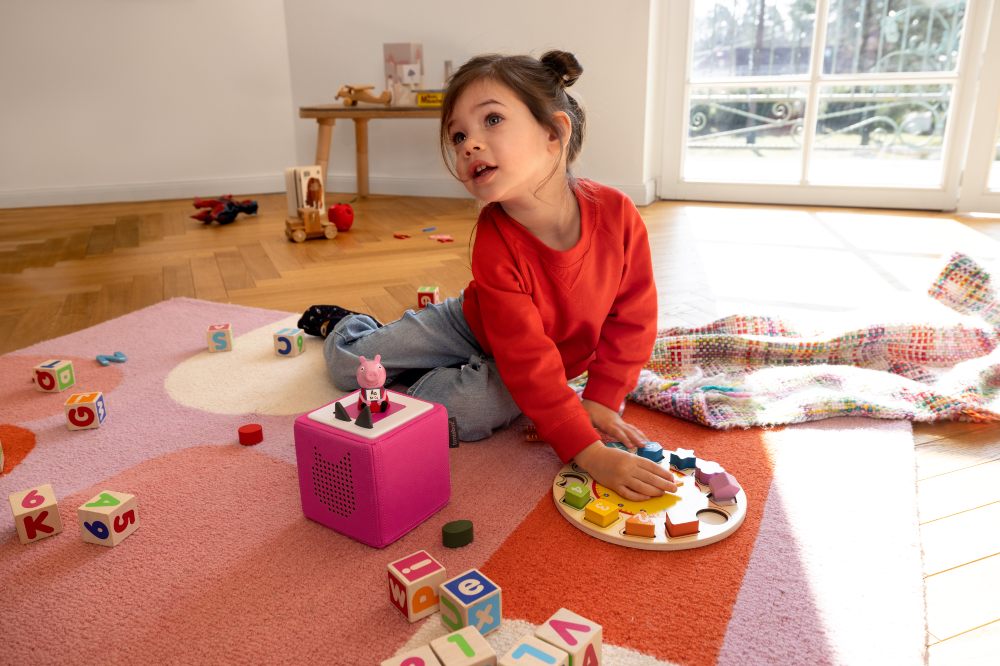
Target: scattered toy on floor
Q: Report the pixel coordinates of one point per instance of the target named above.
(427, 294)
(85, 411)
(289, 342)
(250, 434)
(36, 513)
(220, 337)
(108, 518)
(470, 599)
(117, 357)
(574, 634)
(53, 376)
(223, 209)
(400, 235)
(413, 584)
(456, 534)
(442, 238)
(341, 215)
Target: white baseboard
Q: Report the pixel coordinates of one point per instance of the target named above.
(642, 194)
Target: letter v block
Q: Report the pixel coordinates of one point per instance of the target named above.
(577, 635)
(471, 599)
(413, 584)
(36, 513)
(108, 518)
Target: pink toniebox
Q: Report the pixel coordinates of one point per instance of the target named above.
(374, 484)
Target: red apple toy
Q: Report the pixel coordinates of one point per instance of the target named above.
(342, 216)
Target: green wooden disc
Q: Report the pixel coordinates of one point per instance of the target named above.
(457, 533)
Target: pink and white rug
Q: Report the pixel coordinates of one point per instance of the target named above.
(225, 569)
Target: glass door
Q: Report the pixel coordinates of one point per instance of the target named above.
(842, 102)
(981, 182)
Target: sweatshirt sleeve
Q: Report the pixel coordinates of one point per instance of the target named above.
(527, 359)
(629, 331)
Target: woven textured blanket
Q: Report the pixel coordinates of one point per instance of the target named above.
(744, 371)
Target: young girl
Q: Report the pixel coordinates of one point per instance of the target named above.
(562, 282)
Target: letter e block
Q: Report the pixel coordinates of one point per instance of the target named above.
(54, 376)
(289, 342)
(422, 656)
(530, 651)
(413, 584)
(220, 337)
(36, 513)
(85, 410)
(108, 518)
(578, 636)
(471, 599)
(465, 647)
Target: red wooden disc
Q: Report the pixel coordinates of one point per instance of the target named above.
(251, 433)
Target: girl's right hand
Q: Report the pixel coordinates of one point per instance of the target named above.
(633, 477)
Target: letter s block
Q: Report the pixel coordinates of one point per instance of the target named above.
(85, 410)
(220, 337)
(413, 584)
(575, 634)
(36, 513)
(289, 342)
(54, 376)
(471, 600)
(108, 518)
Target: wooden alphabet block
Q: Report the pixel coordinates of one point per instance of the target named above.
(531, 651)
(471, 599)
(426, 294)
(289, 342)
(54, 376)
(85, 410)
(220, 337)
(578, 636)
(465, 647)
(36, 513)
(422, 656)
(108, 518)
(413, 584)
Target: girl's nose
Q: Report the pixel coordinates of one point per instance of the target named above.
(471, 147)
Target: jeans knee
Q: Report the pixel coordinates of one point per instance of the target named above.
(473, 395)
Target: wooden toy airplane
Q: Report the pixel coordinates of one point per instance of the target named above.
(354, 94)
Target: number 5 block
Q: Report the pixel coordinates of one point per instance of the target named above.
(85, 410)
(54, 376)
(289, 342)
(108, 518)
(36, 513)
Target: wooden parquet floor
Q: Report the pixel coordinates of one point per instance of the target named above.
(66, 268)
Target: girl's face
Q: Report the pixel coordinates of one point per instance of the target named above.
(501, 152)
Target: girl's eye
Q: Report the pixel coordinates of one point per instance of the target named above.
(493, 119)
(457, 138)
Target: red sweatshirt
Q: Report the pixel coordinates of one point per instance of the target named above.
(545, 316)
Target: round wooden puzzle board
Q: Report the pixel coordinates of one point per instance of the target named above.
(715, 521)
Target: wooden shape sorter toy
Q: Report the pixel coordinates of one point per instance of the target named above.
(413, 584)
(36, 513)
(690, 518)
(373, 484)
(108, 518)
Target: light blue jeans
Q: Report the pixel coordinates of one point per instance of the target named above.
(439, 340)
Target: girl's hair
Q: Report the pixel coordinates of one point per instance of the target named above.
(541, 84)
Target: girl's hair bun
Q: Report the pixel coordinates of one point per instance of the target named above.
(564, 65)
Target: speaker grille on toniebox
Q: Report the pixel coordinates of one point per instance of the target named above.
(334, 483)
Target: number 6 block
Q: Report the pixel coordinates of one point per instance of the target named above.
(36, 513)
(85, 410)
(289, 342)
(108, 518)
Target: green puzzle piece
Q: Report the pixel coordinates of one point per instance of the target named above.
(577, 496)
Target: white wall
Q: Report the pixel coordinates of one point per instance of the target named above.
(112, 100)
(335, 43)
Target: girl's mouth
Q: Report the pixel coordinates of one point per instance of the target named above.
(481, 171)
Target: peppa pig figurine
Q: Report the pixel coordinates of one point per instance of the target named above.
(371, 380)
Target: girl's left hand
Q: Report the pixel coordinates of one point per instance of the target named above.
(609, 422)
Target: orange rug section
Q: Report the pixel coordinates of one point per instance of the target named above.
(17, 443)
(672, 605)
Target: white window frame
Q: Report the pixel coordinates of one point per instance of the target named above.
(974, 195)
(676, 21)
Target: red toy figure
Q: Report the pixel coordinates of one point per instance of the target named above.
(223, 210)
(371, 379)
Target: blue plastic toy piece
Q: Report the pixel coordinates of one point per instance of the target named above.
(117, 357)
(652, 451)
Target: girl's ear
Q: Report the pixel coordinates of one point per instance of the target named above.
(565, 126)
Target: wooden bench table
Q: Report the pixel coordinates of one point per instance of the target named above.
(326, 115)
